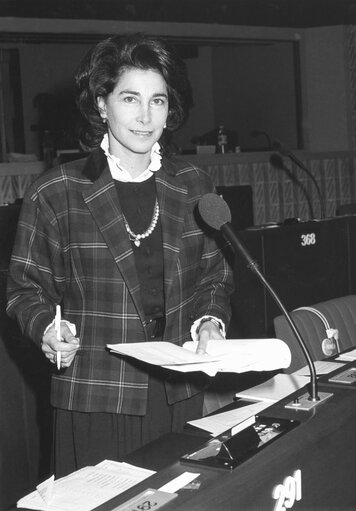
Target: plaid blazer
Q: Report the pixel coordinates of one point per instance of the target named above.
(72, 249)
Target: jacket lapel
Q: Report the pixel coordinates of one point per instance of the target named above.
(102, 202)
(101, 199)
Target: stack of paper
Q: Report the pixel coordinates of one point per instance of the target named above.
(84, 489)
(231, 355)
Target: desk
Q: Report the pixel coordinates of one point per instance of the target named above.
(322, 447)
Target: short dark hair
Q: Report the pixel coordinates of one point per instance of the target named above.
(102, 66)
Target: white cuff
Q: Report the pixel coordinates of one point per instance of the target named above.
(196, 324)
(71, 327)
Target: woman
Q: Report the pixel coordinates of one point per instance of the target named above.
(116, 241)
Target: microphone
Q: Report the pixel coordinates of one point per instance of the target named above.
(277, 161)
(216, 214)
(284, 151)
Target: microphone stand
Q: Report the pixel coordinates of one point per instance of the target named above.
(303, 403)
(277, 161)
(286, 152)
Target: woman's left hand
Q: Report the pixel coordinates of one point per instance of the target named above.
(207, 331)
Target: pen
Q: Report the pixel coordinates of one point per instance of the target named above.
(57, 326)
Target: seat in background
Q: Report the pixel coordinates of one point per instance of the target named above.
(340, 314)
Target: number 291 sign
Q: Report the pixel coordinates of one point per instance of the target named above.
(288, 492)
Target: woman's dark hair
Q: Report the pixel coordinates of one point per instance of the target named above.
(103, 65)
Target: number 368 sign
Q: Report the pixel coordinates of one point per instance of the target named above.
(288, 492)
(308, 239)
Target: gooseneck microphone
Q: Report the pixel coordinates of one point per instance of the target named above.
(284, 151)
(216, 214)
(277, 161)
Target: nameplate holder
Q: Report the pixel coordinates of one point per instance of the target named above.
(146, 500)
(348, 377)
(230, 450)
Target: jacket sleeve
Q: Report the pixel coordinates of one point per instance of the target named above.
(35, 278)
(215, 283)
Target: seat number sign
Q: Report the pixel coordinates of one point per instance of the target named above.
(288, 492)
(308, 239)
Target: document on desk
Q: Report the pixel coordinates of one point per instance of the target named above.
(274, 389)
(321, 367)
(231, 355)
(84, 489)
(349, 356)
(224, 421)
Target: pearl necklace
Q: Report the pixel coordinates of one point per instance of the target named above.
(136, 238)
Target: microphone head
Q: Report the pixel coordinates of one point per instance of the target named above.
(280, 148)
(214, 210)
(277, 161)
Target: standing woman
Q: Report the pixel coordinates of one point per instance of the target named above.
(116, 241)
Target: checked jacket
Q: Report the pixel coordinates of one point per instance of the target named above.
(72, 249)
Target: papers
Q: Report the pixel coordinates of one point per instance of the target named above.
(232, 355)
(84, 489)
(179, 482)
(282, 385)
(321, 367)
(160, 353)
(274, 389)
(221, 422)
(349, 356)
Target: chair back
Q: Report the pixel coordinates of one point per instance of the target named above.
(326, 328)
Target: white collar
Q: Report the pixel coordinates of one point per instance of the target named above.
(119, 173)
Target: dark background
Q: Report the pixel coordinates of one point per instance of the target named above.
(274, 13)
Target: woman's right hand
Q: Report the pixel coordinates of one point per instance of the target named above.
(68, 346)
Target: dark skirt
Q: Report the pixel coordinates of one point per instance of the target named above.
(82, 439)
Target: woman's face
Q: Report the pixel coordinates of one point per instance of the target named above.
(136, 112)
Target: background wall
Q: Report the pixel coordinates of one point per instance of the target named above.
(255, 89)
(47, 68)
(242, 86)
(326, 89)
(247, 86)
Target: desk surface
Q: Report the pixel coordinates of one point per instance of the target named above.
(322, 448)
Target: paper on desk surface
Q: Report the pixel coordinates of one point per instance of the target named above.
(321, 367)
(84, 489)
(179, 482)
(274, 389)
(282, 385)
(220, 422)
(349, 356)
(231, 355)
